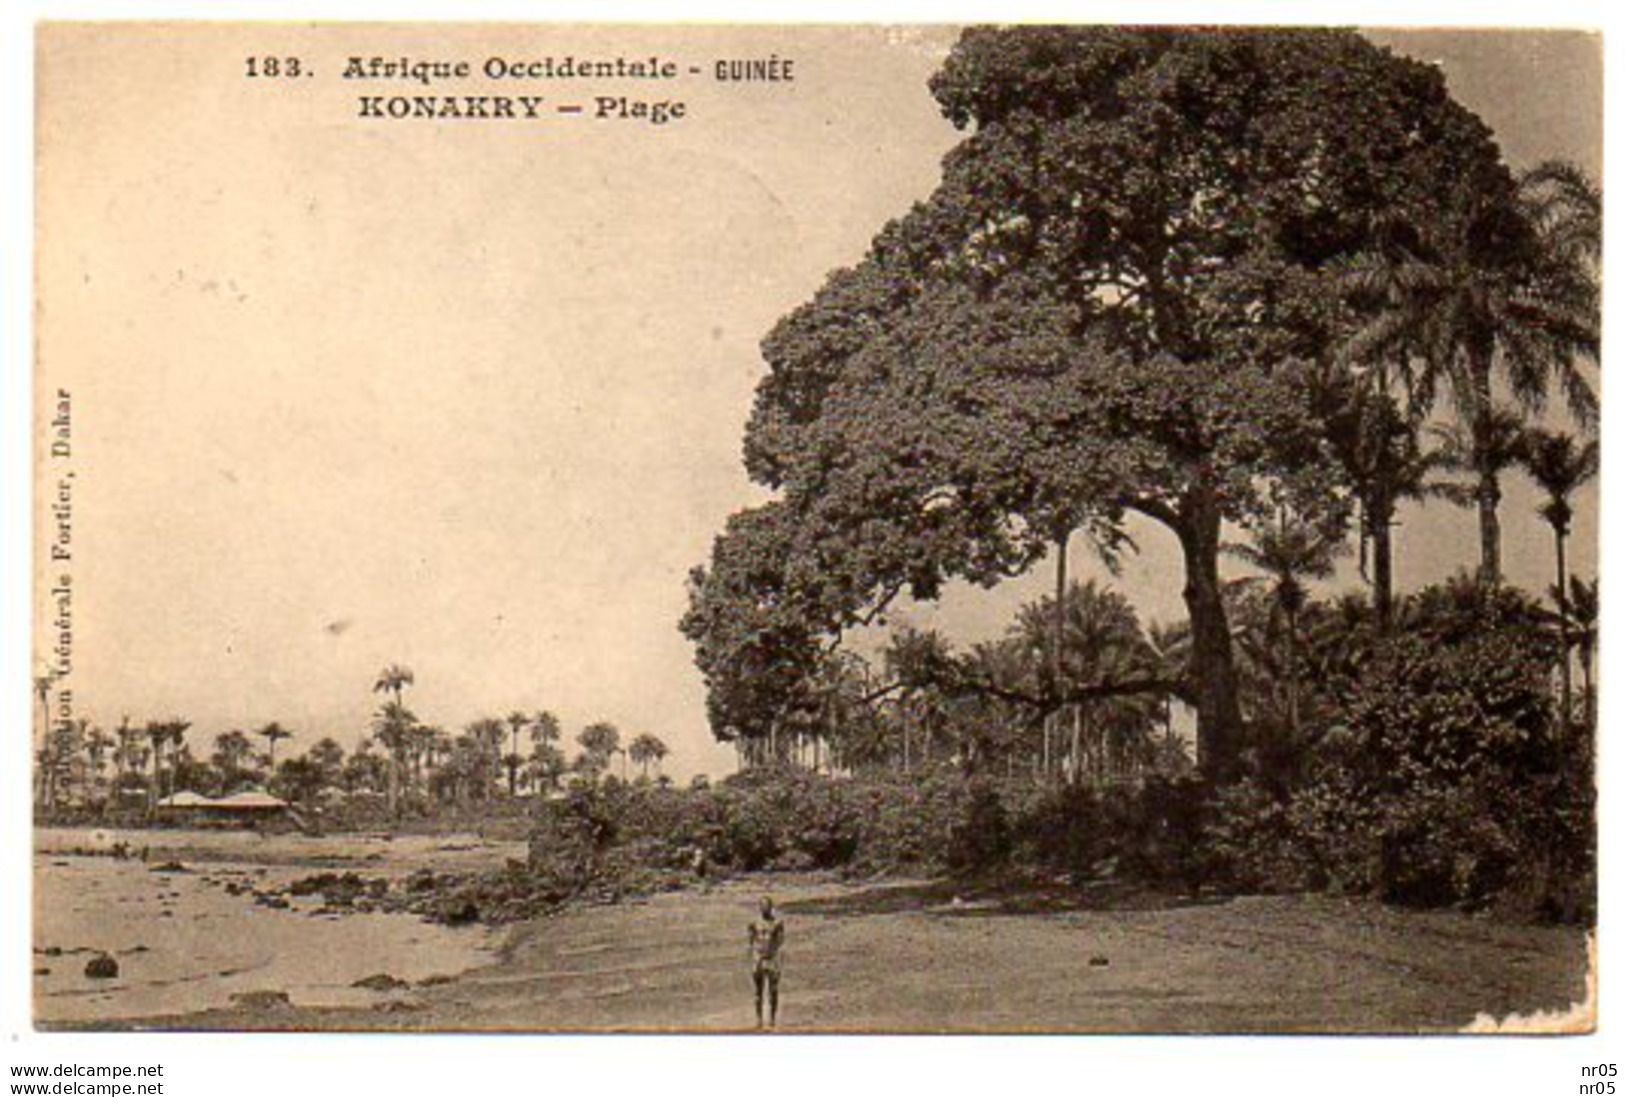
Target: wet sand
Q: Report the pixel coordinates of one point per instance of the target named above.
(922, 957)
(189, 940)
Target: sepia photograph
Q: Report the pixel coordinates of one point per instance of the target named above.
(815, 528)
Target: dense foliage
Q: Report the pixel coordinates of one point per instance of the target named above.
(1431, 769)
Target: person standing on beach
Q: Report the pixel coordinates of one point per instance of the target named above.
(766, 940)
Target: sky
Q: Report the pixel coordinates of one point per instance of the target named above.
(470, 396)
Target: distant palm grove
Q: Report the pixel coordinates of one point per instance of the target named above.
(405, 766)
(1261, 291)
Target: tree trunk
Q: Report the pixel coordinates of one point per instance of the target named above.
(1076, 767)
(1380, 511)
(1218, 706)
(1168, 731)
(1292, 675)
(1489, 487)
(1563, 625)
(1379, 508)
(392, 785)
(1489, 527)
(1052, 724)
(1590, 692)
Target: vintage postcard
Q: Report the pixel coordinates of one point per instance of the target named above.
(708, 528)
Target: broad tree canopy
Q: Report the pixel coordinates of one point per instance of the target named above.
(1118, 299)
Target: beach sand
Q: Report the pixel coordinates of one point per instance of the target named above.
(917, 956)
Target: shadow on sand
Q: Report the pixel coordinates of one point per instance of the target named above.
(969, 898)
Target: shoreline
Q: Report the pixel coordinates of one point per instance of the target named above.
(910, 956)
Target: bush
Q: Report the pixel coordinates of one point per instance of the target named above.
(1442, 785)
(1063, 830)
(981, 838)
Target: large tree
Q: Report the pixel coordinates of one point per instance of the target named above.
(1109, 305)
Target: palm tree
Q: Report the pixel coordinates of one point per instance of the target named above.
(439, 748)
(1560, 463)
(517, 722)
(328, 757)
(1100, 641)
(546, 766)
(157, 735)
(170, 733)
(125, 750)
(232, 750)
(1482, 452)
(546, 761)
(1370, 435)
(914, 658)
(392, 680)
(1169, 647)
(271, 733)
(545, 728)
(42, 689)
(392, 726)
(177, 729)
(487, 735)
(421, 744)
(1505, 289)
(645, 749)
(96, 742)
(1290, 553)
(1524, 297)
(1380, 448)
(599, 743)
(1583, 607)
